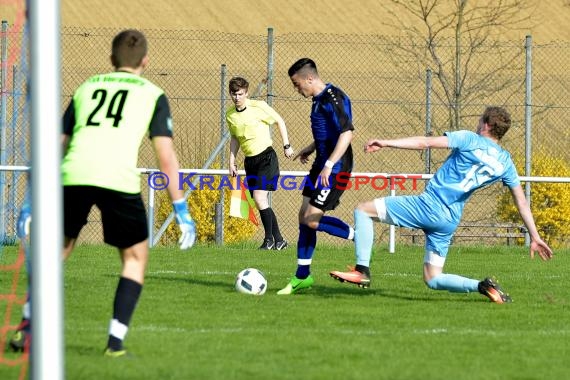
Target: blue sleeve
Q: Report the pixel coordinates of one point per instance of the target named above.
(460, 139)
(511, 177)
(344, 114)
(341, 109)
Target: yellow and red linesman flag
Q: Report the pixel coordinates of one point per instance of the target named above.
(241, 203)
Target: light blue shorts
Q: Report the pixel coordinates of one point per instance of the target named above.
(424, 213)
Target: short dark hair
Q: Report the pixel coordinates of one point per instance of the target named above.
(303, 64)
(128, 49)
(237, 83)
(498, 119)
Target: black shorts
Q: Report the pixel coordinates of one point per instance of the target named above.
(321, 198)
(262, 171)
(123, 215)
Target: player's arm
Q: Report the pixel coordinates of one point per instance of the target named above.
(168, 164)
(234, 149)
(160, 131)
(284, 136)
(536, 244)
(341, 115)
(68, 125)
(415, 142)
(340, 148)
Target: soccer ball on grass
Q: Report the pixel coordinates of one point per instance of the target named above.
(251, 281)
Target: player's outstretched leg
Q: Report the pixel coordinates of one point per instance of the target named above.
(20, 341)
(364, 239)
(490, 287)
(305, 248)
(358, 275)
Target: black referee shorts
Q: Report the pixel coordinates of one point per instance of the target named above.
(262, 171)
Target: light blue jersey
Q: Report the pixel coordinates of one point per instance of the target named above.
(475, 161)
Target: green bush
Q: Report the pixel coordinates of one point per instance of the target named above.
(202, 204)
(550, 202)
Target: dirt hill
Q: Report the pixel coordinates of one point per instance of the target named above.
(550, 20)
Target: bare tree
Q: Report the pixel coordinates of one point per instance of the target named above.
(455, 37)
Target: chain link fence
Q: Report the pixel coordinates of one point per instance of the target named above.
(14, 129)
(382, 76)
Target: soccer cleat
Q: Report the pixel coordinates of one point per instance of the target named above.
(353, 276)
(267, 245)
(297, 284)
(281, 245)
(20, 341)
(110, 353)
(490, 287)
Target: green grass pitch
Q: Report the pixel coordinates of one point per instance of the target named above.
(190, 323)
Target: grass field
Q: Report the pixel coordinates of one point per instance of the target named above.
(191, 324)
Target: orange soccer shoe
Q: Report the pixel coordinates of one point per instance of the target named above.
(353, 276)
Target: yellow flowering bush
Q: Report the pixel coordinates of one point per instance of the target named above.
(550, 202)
(202, 204)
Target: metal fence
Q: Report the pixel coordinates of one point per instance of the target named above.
(392, 95)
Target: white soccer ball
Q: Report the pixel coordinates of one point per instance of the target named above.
(251, 281)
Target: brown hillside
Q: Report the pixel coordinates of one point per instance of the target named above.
(549, 23)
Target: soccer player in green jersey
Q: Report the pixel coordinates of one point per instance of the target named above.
(249, 121)
(103, 128)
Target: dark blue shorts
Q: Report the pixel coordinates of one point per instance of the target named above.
(325, 199)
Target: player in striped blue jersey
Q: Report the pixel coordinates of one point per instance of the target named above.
(331, 125)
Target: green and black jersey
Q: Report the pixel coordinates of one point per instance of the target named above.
(106, 121)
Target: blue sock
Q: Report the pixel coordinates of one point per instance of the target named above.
(363, 237)
(305, 248)
(334, 226)
(453, 283)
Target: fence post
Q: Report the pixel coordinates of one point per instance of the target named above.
(270, 65)
(528, 123)
(219, 215)
(3, 123)
(150, 216)
(392, 228)
(219, 222)
(12, 199)
(269, 97)
(428, 118)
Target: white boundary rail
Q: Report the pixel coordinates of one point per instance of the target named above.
(392, 176)
(299, 174)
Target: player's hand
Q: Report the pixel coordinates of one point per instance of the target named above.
(233, 170)
(324, 177)
(289, 152)
(304, 154)
(542, 248)
(185, 223)
(372, 146)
